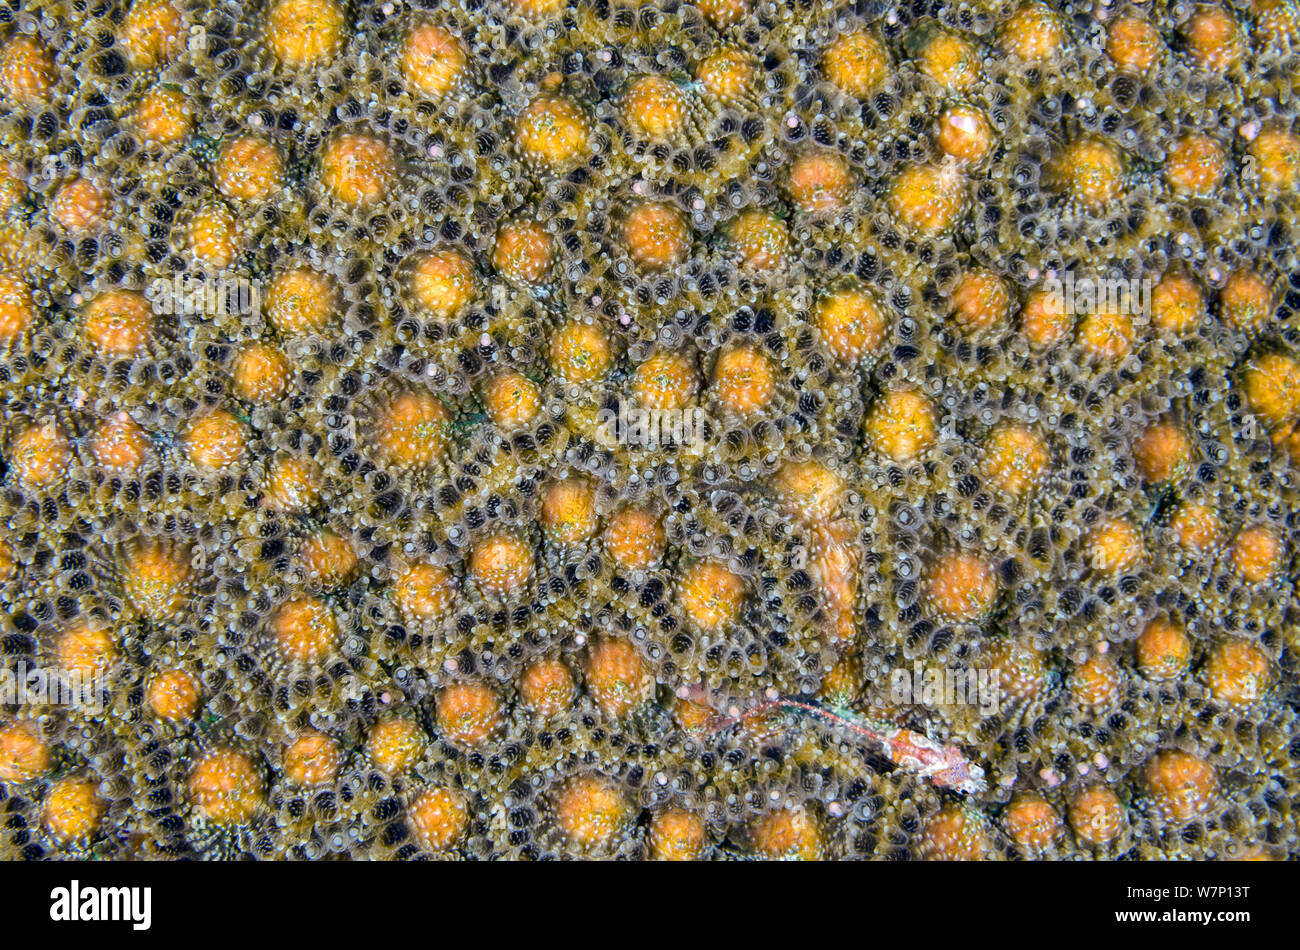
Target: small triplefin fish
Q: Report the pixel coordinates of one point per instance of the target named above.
(836, 558)
(944, 765)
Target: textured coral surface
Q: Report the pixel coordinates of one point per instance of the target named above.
(326, 327)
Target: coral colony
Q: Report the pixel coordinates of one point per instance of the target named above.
(590, 428)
